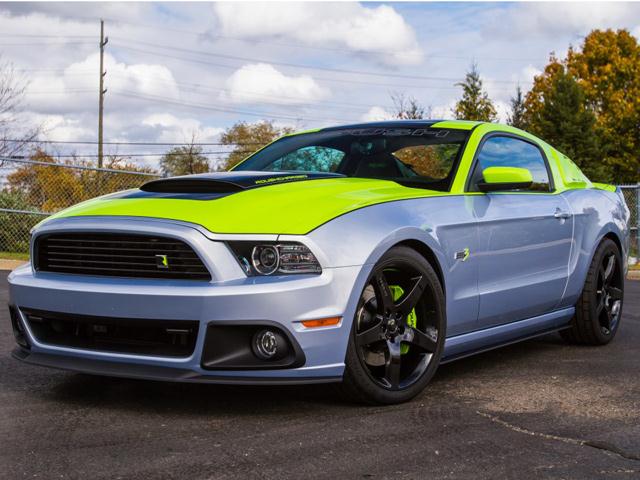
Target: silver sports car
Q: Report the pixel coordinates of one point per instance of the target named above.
(363, 254)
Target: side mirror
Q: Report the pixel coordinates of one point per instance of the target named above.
(497, 179)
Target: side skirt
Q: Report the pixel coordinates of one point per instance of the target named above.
(479, 341)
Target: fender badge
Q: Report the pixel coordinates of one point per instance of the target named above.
(162, 261)
(462, 255)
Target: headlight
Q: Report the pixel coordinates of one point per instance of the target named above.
(268, 258)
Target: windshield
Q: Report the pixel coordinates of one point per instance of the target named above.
(415, 157)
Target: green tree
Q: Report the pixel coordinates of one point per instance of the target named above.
(565, 122)
(246, 138)
(184, 160)
(516, 117)
(475, 103)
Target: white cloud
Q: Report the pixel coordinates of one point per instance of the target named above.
(172, 129)
(262, 83)
(79, 81)
(62, 127)
(557, 18)
(379, 30)
(375, 114)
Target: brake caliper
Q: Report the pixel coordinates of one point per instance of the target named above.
(412, 319)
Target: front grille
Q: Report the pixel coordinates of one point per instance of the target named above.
(166, 338)
(118, 255)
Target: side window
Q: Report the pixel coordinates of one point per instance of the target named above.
(512, 152)
(309, 159)
(431, 161)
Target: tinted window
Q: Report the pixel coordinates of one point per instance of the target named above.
(511, 152)
(308, 159)
(416, 157)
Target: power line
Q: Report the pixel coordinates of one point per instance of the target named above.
(206, 35)
(165, 144)
(156, 98)
(194, 88)
(324, 79)
(32, 44)
(302, 66)
(28, 35)
(93, 155)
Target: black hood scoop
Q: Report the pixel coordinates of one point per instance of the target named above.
(209, 186)
(228, 182)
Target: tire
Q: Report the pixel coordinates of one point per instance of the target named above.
(599, 309)
(397, 337)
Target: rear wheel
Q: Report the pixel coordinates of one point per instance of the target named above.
(599, 309)
(398, 332)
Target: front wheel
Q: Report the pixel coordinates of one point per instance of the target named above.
(398, 332)
(599, 309)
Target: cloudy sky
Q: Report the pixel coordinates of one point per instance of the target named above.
(180, 69)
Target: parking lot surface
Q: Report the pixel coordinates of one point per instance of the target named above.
(539, 409)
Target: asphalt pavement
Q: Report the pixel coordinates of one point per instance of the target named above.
(539, 409)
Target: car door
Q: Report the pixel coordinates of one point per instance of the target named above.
(525, 236)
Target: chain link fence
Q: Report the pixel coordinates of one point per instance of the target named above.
(632, 197)
(32, 190)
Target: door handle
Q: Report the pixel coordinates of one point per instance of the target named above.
(561, 215)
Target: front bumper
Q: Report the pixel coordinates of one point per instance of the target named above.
(284, 301)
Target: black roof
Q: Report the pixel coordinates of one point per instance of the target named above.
(386, 124)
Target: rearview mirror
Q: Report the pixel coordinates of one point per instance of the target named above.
(497, 179)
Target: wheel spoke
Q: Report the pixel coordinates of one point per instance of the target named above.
(609, 319)
(421, 340)
(383, 293)
(392, 367)
(371, 335)
(600, 305)
(411, 299)
(608, 269)
(615, 293)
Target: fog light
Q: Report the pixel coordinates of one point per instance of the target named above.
(269, 345)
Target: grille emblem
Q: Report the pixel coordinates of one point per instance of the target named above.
(162, 262)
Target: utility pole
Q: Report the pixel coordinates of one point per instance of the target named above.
(103, 42)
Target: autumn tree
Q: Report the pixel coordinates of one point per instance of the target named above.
(516, 116)
(406, 107)
(48, 186)
(247, 138)
(184, 160)
(475, 103)
(607, 69)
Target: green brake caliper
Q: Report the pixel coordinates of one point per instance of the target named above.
(412, 319)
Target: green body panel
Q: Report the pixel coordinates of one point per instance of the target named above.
(299, 207)
(290, 208)
(456, 124)
(605, 186)
(507, 175)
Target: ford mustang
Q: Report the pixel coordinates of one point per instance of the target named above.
(364, 254)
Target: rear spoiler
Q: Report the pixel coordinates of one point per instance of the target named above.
(604, 186)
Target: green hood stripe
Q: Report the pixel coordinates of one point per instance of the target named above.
(293, 208)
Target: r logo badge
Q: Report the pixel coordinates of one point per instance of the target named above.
(462, 255)
(162, 261)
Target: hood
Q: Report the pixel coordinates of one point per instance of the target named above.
(249, 202)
